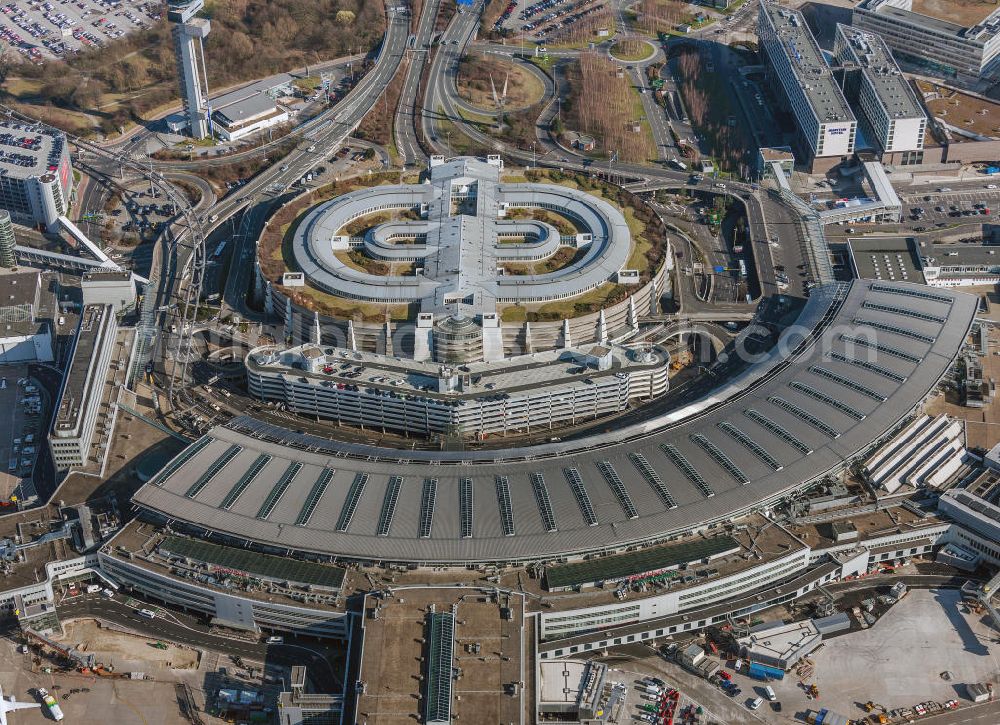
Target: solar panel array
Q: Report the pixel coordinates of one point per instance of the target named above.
(886, 349)
(506, 510)
(212, 471)
(895, 330)
(777, 430)
(805, 415)
(186, 455)
(428, 499)
(689, 471)
(905, 312)
(315, 494)
(618, 489)
(750, 444)
(389, 505)
(543, 501)
(352, 500)
(720, 457)
(847, 383)
(581, 495)
(279, 490)
(647, 471)
(910, 292)
(465, 510)
(824, 398)
(869, 366)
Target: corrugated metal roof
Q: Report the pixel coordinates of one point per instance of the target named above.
(834, 309)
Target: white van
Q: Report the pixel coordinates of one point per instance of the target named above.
(757, 702)
(769, 691)
(149, 614)
(275, 640)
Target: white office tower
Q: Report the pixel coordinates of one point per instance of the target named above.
(189, 32)
(826, 126)
(891, 116)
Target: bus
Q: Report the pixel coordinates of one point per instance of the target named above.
(743, 268)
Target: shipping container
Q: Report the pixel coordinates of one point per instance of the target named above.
(761, 671)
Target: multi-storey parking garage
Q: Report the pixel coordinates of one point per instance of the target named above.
(816, 401)
(461, 240)
(528, 393)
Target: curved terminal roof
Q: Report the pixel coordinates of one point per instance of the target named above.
(861, 357)
(458, 241)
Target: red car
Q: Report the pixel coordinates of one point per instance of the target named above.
(725, 675)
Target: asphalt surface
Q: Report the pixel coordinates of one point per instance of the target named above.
(407, 112)
(183, 629)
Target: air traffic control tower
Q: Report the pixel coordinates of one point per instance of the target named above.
(190, 53)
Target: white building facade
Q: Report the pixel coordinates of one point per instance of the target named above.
(826, 125)
(935, 45)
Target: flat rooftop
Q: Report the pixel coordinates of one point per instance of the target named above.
(970, 113)
(225, 569)
(942, 26)
(786, 421)
(638, 562)
(873, 55)
(552, 368)
(28, 151)
(965, 13)
(781, 642)
(960, 255)
(886, 258)
(871, 522)
(394, 660)
(81, 387)
(810, 67)
(249, 108)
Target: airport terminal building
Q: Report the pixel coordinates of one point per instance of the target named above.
(787, 421)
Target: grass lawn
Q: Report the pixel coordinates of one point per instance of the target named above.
(309, 83)
(321, 301)
(569, 308)
(524, 89)
(632, 50)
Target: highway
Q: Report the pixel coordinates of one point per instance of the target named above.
(769, 218)
(331, 129)
(274, 184)
(404, 123)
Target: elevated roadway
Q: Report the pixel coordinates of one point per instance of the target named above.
(407, 112)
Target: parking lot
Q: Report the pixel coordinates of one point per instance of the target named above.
(58, 28)
(20, 436)
(944, 206)
(546, 20)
